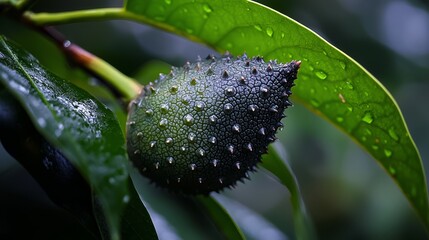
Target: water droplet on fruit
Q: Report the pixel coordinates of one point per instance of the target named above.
(188, 119)
(199, 106)
(236, 128)
(213, 119)
(191, 137)
(149, 112)
(169, 140)
(164, 108)
(186, 100)
(228, 108)
(163, 123)
(215, 162)
(174, 89)
(230, 91)
(252, 108)
(213, 140)
(201, 152)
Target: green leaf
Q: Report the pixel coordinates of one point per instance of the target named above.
(275, 162)
(330, 83)
(82, 128)
(220, 217)
(136, 222)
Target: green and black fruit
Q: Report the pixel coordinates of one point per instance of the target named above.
(204, 126)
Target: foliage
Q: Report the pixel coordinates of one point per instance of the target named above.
(330, 84)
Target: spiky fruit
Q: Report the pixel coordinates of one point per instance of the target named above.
(205, 125)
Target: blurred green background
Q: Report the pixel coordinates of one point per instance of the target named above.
(347, 194)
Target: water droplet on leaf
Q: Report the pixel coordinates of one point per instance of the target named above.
(368, 118)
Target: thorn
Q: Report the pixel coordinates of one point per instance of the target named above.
(225, 74)
(249, 147)
(254, 71)
(237, 165)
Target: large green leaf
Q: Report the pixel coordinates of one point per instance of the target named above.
(275, 162)
(330, 83)
(83, 129)
(220, 217)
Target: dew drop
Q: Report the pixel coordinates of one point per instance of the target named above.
(349, 85)
(388, 153)
(252, 108)
(201, 152)
(149, 112)
(392, 170)
(207, 8)
(126, 199)
(393, 134)
(230, 149)
(228, 108)
(321, 74)
(315, 103)
(191, 137)
(199, 106)
(164, 108)
(41, 122)
(169, 140)
(236, 128)
(213, 140)
(139, 134)
(368, 118)
(186, 100)
(269, 32)
(230, 91)
(258, 27)
(174, 89)
(215, 162)
(213, 119)
(163, 123)
(265, 91)
(188, 119)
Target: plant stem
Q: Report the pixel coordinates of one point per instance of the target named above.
(113, 78)
(45, 19)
